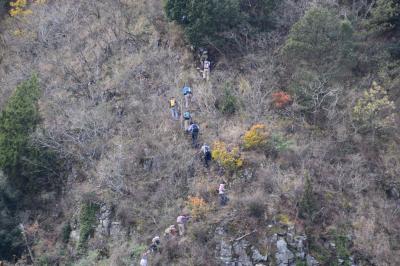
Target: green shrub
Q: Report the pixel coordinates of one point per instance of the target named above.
(17, 121)
(200, 233)
(66, 231)
(307, 206)
(342, 249)
(11, 242)
(138, 250)
(299, 262)
(206, 21)
(277, 144)
(256, 209)
(87, 222)
(43, 260)
(227, 103)
(385, 17)
(321, 42)
(91, 259)
(24, 165)
(27, 166)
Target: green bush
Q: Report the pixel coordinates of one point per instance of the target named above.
(227, 103)
(17, 121)
(28, 167)
(66, 231)
(277, 144)
(138, 250)
(321, 42)
(385, 17)
(256, 209)
(87, 221)
(308, 201)
(11, 242)
(342, 249)
(206, 22)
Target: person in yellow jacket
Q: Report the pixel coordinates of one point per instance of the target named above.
(173, 106)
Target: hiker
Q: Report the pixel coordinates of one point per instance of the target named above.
(184, 19)
(187, 93)
(173, 105)
(187, 118)
(143, 260)
(203, 54)
(155, 243)
(182, 220)
(205, 149)
(194, 131)
(206, 70)
(223, 199)
(170, 232)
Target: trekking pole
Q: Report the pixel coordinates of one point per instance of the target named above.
(181, 114)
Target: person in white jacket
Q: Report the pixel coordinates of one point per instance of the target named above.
(223, 199)
(143, 260)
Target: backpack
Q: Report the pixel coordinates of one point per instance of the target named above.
(195, 128)
(206, 149)
(186, 90)
(172, 103)
(186, 115)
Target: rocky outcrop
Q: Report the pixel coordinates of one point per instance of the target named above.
(238, 253)
(285, 249)
(283, 255)
(107, 226)
(257, 257)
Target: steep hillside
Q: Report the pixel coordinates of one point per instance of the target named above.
(300, 113)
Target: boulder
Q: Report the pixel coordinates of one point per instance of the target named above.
(311, 261)
(284, 256)
(103, 227)
(257, 257)
(225, 253)
(240, 248)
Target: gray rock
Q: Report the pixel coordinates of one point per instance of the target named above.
(283, 255)
(299, 246)
(220, 231)
(116, 231)
(104, 218)
(257, 257)
(311, 261)
(225, 254)
(240, 252)
(290, 239)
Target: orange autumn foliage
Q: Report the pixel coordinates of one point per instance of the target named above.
(281, 99)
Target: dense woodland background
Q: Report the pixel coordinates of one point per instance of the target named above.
(301, 112)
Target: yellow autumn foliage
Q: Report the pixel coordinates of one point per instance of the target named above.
(374, 110)
(19, 7)
(197, 206)
(230, 160)
(255, 137)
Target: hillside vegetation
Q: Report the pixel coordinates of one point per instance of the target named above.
(300, 112)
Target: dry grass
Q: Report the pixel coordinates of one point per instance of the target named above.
(93, 56)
